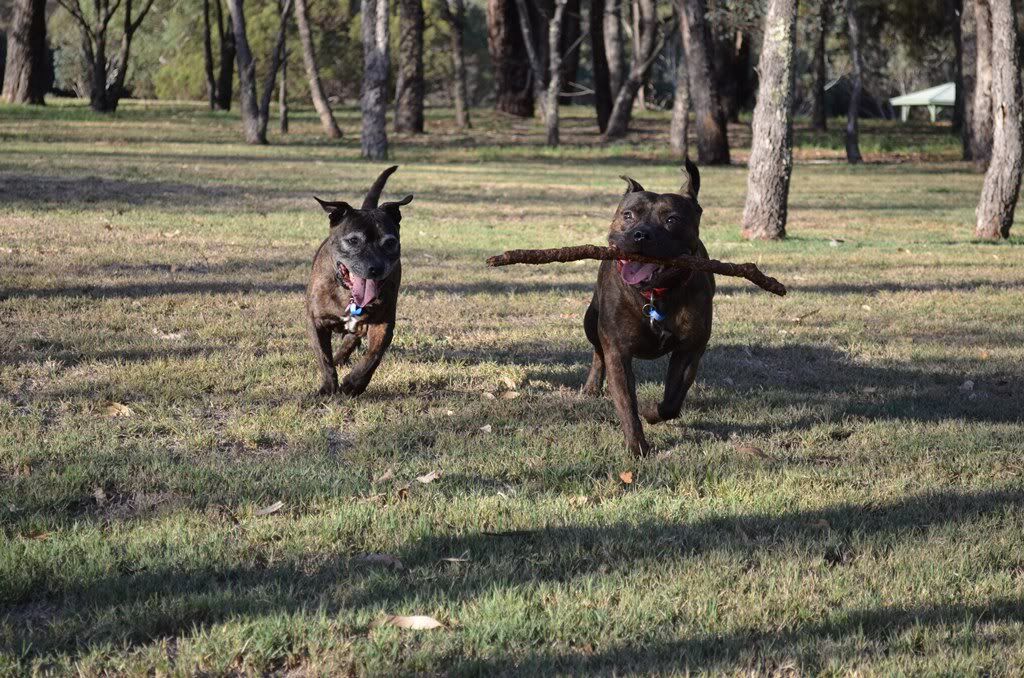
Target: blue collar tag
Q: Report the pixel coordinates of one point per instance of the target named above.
(354, 310)
(651, 312)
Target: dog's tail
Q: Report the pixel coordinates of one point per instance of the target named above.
(373, 195)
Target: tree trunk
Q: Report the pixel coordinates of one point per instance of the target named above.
(226, 74)
(409, 89)
(555, 66)
(455, 14)
(984, 105)
(731, 56)
(276, 59)
(640, 68)
(513, 92)
(569, 47)
(282, 98)
(712, 136)
(819, 114)
(211, 82)
(680, 127)
(1002, 180)
(316, 88)
(26, 71)
(953, 9)
(376, 64)
(771, 153)
(254, 133)
(853, 155)
(98, 79)
(613, 46)
(599, 67)
(968, 74)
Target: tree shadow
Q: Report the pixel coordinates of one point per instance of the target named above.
(41, 191)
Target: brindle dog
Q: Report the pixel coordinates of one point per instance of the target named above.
(354, 288)
(646, 311)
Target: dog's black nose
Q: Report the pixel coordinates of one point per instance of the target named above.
(375, 271)
(639, 235)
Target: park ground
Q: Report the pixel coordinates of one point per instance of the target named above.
(843, 493)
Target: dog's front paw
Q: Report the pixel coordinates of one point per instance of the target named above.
(651, 415)
(328, 388)
(353, 387)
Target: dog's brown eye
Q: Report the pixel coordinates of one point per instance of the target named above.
(390, 243)
(352, 242)
(627, 215)
(672, 220)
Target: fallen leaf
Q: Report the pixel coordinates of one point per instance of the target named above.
(510, 395)
(273, 508)
(626, 477)
(100, 496)
(403, 493)
(865, 307)
(752, 451)
(662, 456)
(416, 622)
(486, 428)
(170, 234)
(450, 413)
(579, 500)
(387, 475)
(380, 559)
(38, 536)
(509, 382)
(113, 409)
(487, 395)
(869, 389)
(967, 386)
(429, 477)
(462, 559)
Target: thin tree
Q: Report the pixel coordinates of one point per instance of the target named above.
(376, 64)
(679, 128)
(981, 134)
(316, 88)
(513, 91)
(953, 10)
(1002, 180)
(599, 65)
(819, 115)
(410, 87)
(226, 72)
(712, 136)
(106, 76)
(454, 12)
(771, 152)
(853, 155)
(613, 46)
(547, 98)
(25, 74)
(211, 81)
(640, 67)
(572, 38)
(255, 110)
(282, 97)
(968, 75)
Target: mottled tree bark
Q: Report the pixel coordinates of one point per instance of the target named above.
(248, 100)
(569, 47)
(211, 82)
(771, 152)
(316, 88)
(819, 114)
(953, 9)
(226, 72)
(282, 98)
(409, 89)
(968, 75)
(547, 98)
(853, 155)
(25, 74)
(513, 92)
(455, 14)
(376, 64)
(712, 137)
(277, 58)
(639, 69)
(613, 46)
(599, 65)
(680, 126)
(984, 104)
(1002, 180)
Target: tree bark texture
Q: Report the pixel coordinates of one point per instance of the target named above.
(513, 91)
(613, 46)
(819, 114)
(409, 89)
(248, 100)
(26, 72)
(712, 137)
(639, 69)
(599, 64)
(680, 126)
(316, 88)
(454, 12)
(226, 72)
(376, 64)
(984, 105)
(853, 155)
(211, 81)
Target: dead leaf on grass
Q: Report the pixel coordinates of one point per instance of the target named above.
(509, 383)
(380, 560)
(510, 395)
(487, 395)
(115, 409)
(273, 508)
(626, 477)
(100, 496)
(387, 475)
(429, 477)
(486, 428)
(752, 451)
(416, 622)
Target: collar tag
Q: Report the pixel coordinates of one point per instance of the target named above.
(354, 310)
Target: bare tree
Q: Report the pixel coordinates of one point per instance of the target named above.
(599, 64)
(640, 67)
(226, 73)
(454, 13)
(712, 136)
(819, 116)
(613, 46)
(853, 155)
(572, 38)
(282, 97)
(106, 76)
(316, 88)
(376, 64)
(25, 74)
(211, 81)
(1002, 180)
(771, 152)
(409, 89)
(968, 74)
(680, 127)
(981, 135)
(513, 93)
(547, 98)
(256, 110)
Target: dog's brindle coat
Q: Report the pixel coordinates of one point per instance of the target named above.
(660, 225)
(359, 263)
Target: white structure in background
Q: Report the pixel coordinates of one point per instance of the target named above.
(933, 98)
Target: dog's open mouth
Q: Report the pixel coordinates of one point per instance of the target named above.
(635, 273)
(364, 290)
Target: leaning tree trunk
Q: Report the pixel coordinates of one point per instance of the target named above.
(968, 75)
(211, 81)
(454, 13)
(316, 88)
(226, 73)
(771, 152)
(680, 127)
(613, 46)
(1002, 180)
(513, 92)
(376, 64)
(569, 47)
(25, 74)
(712, 138)
(555, 72)
(984, 103)
(276, 59)
(599, 65)
(282, 97)
(640, 67)
(853, 155)
(410, 87)
(252, 130)
(819, 115)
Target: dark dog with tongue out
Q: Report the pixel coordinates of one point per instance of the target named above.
(354, 287)
(646, 311)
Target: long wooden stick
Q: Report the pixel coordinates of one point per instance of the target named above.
(564, 254)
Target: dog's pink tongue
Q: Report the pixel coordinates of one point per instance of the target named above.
(364, 290)
(635, 273)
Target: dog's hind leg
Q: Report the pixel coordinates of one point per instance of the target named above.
(682, 370)
(595, 379)
(349, 343)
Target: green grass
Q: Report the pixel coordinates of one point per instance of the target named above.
(834, 500)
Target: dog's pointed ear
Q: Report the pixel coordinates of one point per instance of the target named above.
(394, 209)
(336, 211)
(692, 186)
(632, 185)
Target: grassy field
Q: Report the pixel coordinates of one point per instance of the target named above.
(843, 493)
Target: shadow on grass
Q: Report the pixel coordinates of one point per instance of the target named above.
(38, 190)
(130, 605)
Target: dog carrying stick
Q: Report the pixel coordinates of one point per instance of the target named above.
(578, 252)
